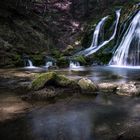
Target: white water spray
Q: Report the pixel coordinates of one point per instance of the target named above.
(30, 64)
(74, 65)
(128, 51)
(49, 64)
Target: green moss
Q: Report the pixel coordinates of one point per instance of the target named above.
(16, 60)
(62, 62)
(56, 53)
(102, 58)
(51, 78)
(42, 79)
(63, 81)
(80, 59)
(37, 59)
(108, 30)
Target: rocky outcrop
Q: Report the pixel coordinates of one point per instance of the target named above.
(107, 87)
(128, 89)
(53, 79)
(87, 86)
(50, 85)
(42, 79)
(61, 84)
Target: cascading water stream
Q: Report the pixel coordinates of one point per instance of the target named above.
(128, 51)
(95, 39)
(98, 28)
(74, 65)
(49, 64)
(29, 64)
(94, 45)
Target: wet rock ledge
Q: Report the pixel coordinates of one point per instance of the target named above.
(50, 85)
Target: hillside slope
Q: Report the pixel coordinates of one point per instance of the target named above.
(38, 28)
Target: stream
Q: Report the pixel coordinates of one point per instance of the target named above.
(101, 117)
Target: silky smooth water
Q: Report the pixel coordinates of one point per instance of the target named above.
(128, 51)
(102, 117)
(30, 65)
(95, 45)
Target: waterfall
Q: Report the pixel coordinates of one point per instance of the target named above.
(94, 47)
(74, 64)
(29, 64)
(96, 33)
(128, 51)
(49, 64)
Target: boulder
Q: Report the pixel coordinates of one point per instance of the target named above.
(42, 79)
(107, 87)
(53, 79)
(128, 89)
(87, 86)
(63, 81)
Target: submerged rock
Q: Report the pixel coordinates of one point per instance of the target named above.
(107, 87)
(87, 86)
(128, 89)
(44, 93)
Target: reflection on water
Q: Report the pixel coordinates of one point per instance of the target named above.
(107, 74)
(96, 73)
(102, 118)
(10, 105)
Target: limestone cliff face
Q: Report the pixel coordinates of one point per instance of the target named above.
(38, 28)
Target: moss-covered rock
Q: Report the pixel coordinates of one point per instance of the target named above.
(40, 81)
(87, 86)
(63, 81)
(53, 79)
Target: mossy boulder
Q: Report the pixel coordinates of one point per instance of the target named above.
(52, 79)
(63, 81)
(87, 86)
(40, 81)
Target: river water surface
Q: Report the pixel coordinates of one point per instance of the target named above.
(104, 117)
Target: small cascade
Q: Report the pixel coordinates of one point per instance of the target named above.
(29, 64)
(128, 51)
(95, 40)
(49, 64)
(74, 64)
(95, 46)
